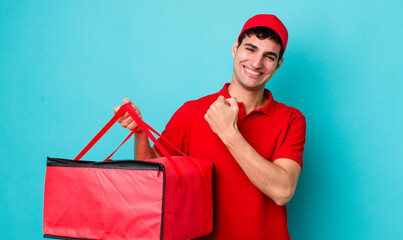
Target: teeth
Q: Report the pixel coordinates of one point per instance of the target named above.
(252, 72)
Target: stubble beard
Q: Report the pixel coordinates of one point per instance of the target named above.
(241, 82)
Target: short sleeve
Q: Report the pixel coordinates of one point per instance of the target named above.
(176, 132)
(292, 146)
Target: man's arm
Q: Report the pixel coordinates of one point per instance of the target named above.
(277, 179)
(142, 148)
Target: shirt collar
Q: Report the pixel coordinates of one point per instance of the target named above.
(267, 109)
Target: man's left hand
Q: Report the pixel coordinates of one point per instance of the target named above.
(222, 117)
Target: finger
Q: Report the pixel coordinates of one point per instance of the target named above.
(210, 122)
(138, 112)
(220, 100)
(227, 103)
(217, 104)
(116, 109)
(127, 121)
(232, 102)
(212, 110)
(207, 117)
(123, 117)
(126, 100)
(132, 125)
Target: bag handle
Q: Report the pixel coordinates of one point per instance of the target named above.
(107, 126)
(173, 146)
(146, 129)
(143, 126)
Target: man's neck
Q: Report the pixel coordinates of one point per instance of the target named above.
(251, 99)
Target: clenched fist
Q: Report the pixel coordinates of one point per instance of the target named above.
(126, 120)
(222, 116)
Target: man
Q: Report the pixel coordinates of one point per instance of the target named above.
(255, 142)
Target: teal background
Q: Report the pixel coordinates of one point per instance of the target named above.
(64, 65)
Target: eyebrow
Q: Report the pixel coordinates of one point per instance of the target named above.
(266, 53)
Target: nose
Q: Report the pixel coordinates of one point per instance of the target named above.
(257, 61)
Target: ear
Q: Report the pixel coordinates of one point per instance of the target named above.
(234, 48)
(279, 64)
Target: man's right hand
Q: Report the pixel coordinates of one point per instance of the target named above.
(126, 120)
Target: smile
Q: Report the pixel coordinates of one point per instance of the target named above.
(252, 72)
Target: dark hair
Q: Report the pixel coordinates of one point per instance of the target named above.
(263, 33)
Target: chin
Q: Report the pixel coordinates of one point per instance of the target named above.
(252, 86)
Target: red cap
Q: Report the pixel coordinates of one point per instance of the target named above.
(270, 21)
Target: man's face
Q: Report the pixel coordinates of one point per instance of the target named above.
(255, 62)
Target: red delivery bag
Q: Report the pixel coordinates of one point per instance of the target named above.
(164, 198)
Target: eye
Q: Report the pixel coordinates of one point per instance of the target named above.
(269, 57)
(250, 49)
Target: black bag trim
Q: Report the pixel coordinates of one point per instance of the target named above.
(59, 237)
(111, 164)
(163, 204)
(213, 197)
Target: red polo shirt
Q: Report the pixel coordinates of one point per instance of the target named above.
(274, 131)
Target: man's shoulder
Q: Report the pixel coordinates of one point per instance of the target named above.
(282, 109)
(201, 103)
